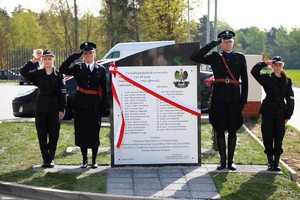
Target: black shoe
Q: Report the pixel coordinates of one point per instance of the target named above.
(95, 165)
(276, 164)
(83, 165)
(270, 167)
(51, 164)
(221, 166)
(44, 165)
(231, 166)
(276, 168)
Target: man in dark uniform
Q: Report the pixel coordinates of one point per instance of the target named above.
(90, 100)
(229, 95)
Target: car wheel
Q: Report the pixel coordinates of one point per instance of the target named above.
(21, 83)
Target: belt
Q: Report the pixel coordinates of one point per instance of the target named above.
(227, 80)
(85, 91)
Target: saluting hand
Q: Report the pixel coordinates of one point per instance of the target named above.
(269, 62)
(36, 59)
(215, 43)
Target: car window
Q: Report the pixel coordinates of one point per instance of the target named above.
(115, 54)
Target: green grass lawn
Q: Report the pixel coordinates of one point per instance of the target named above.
(294, 74)
(19, 151)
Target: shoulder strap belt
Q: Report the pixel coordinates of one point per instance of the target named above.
(227, 67)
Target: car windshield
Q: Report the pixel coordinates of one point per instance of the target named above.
(26, 92)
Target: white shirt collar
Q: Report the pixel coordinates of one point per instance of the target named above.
(92, 65)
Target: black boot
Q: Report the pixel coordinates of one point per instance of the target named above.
(94, 158)
(276, 164)
(51, 159)
(231, 149)
(270, 163)
(45, 158)
(84, 158)
(222, 152)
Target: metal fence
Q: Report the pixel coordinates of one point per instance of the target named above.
(11, 61)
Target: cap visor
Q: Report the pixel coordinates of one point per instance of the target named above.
(87, 50)
(279, 62)
(226, 40)
(50, 55)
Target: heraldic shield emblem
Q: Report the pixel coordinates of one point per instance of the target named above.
(181, 77)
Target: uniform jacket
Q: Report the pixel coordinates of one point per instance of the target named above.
(87, 80)
(279, 100)
(223, 92)
(52, 93)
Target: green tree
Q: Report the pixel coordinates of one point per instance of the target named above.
(286, 46)
(58, 24)
(255, 40)
(163, 20)
(25, 32)
(4, 39)
(115, 18)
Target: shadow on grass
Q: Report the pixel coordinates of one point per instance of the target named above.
(85, 182)
(258, 186)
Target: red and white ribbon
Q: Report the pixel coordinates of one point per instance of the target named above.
(147, 88)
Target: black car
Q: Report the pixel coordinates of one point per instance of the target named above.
(23, 80)
(23, 104)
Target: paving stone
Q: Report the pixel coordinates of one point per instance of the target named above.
(120, 185)
(128, 180)
(149, 193)
(171, 174)
(200, 180)
(177, 193)
(117, 191)
(147, 186)
(175, 186)
(145, 173)
(146, 180)
(173, 180)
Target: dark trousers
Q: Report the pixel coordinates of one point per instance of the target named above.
(47, 125)
(273, 131)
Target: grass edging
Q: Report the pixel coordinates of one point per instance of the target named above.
(25, 191)
(293, 174)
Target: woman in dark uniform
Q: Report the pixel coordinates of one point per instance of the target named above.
(90, 100)
(50, 103)
(276, 109)
(229, 96)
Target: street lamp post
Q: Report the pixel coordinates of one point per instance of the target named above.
(188, 20)
(76, 24)
(208, 23)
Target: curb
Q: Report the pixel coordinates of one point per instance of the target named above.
(293, 174)
(24, 191)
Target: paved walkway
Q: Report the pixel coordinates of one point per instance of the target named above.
(169, 182)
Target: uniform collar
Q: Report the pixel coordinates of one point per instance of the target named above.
(227, 55)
